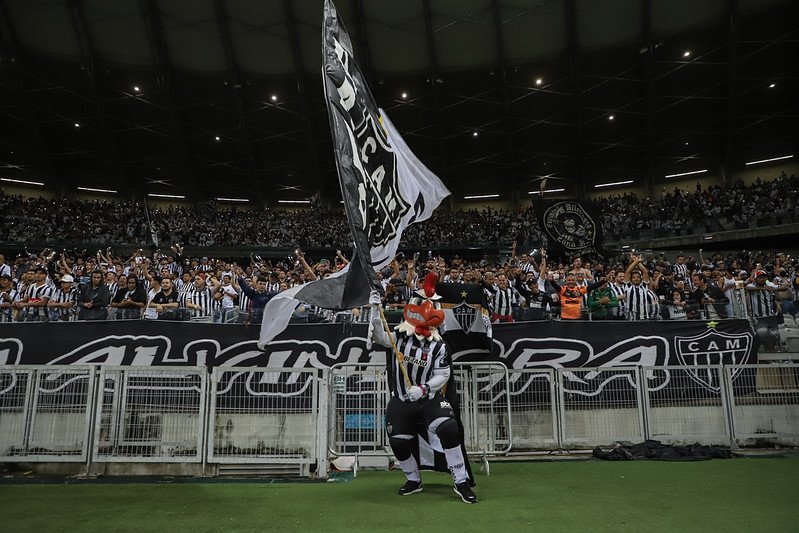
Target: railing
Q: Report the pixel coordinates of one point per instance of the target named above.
(299, 417)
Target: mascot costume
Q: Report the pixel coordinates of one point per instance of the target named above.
(418, 410)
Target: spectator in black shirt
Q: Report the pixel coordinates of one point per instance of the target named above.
(166, 301)
(538, 302)
(129, 300)
(94, 298)
(708, 297)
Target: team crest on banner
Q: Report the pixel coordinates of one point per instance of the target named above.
(712, 348)
(466, 315)
(569, 225)
(380, 203)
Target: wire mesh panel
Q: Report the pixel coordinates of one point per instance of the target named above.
(359, 396)
(152, 414)
(15, 395)
(46, 413)
(264, 415)
(686, 404)
(533, 411)
(485, 406)
(764, 400)
(599, 406)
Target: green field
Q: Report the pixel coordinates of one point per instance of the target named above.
(732, 495)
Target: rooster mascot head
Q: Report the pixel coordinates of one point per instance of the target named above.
(423, 314)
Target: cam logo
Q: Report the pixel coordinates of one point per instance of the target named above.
(446, 404)
(380, 202)
(466, 315)
(712, 347)
(570, 225)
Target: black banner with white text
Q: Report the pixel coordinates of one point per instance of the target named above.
(556, 345)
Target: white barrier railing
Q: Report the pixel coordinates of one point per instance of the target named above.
(302, 416)
(45, 412)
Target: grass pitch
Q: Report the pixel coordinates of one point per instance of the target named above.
(732, 495)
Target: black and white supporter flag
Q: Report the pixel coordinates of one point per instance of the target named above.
(384, 186)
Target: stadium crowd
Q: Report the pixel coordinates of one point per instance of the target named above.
(48, 286)
(74, 221)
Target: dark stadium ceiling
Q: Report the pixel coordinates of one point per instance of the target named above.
(132, 94)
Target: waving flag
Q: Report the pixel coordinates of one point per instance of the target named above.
(384, 186)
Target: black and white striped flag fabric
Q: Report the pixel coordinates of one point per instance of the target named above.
(385, 188)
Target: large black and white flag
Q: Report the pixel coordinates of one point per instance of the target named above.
(384, 186)
(570, 226)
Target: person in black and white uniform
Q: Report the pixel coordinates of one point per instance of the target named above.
(200, 298)
(5, 268)
(503, 300)
(641, 303)
(619, 288)
(8, 295)
(63, 304)
(418, 398)
(763, 309)
(36, 297)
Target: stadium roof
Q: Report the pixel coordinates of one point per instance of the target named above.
(214, 98)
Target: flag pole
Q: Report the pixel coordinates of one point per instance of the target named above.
(398, 354)
(349, 190)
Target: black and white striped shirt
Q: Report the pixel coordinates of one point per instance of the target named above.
(503, 300)
(680, 270)
(5, 313)
(202, 297)
(420, 358)
(619, 290)
(273, 287)
(762, 303)
(36, 293)
(244, 301)
(5, 270)
(182, 286)
(527, 267)
(113, 288)
(59, 296)
(642, 304)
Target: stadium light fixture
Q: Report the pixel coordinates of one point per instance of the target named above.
(480, 196)
(242, 200)
(612, 184)
(611, 117)
(273, 98)
(294, 201)
(686, 54)
(217, 138)
(772, 85)
(546, 191)
(539, 81)
(172, 196)
(136, 89)
(23, 182)
(769, 160)
(691, 173)
(404, 96)
(475, 134)
(93, 189)
(77, 125)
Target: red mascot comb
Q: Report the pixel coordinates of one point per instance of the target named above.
(430, 284)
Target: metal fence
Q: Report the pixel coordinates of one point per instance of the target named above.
(264, 415)
(300, 417)
(45, 413)
(149, 414)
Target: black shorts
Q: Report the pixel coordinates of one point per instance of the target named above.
(402, 418)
